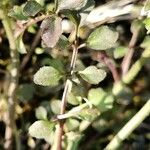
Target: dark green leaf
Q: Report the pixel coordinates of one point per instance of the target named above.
(25, 92)
(93, 75)
(51, 31)
(47, 76)
(102, 38)
(31, 8)
(17, 13)
(41, 129)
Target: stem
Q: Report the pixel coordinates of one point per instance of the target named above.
(129, 127)
(13, 83)
(128, 57)
(136, 67)
(102, 56)
(67, 89)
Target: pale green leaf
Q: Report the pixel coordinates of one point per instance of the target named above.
(102, 38)
(41, 113)
(55, 106)
(147, 24)
(120, 51)
(93, 75)
(41, 129)
(99, 98)
(47, 76)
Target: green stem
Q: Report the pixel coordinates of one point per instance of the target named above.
(129, 127)
(13, 83)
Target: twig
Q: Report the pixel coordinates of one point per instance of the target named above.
(21, 26)
(102, 56)
(136, 67)
(13, 83)
(67, 89)
(128, 57)
(129, 127)
(29, 54)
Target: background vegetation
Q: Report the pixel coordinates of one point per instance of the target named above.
(74, 74)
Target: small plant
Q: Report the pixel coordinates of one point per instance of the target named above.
(67, 31)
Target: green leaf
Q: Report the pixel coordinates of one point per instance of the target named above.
(72, 15)
(51, 31)
(89, 114)
(99, 98)
(72, 99)
(71, 4)
(120, 51)
(71, 124)
(147, 24)
(20, 45)
(146, 43)
(47, 76)
(17, 13)
(31, 8)
(41, 113)
(41, 129)
(63, 43)
(102, 38)
(25, 92)
(93, 75)
(55, 106)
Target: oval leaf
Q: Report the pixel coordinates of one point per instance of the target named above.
(71, 4)
(51, 31)
(99, 98)
(31, 8)
(102, 38)
(41, 129)
(47, 76)
(93, 75)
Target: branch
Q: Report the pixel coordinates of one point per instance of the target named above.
(128, 57)
(13, 83)
(59, 129)
(129, 127)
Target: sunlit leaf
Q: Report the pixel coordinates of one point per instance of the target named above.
(102, 38)
(51, 31)
(41, 129)
(147, 24)
(47, 76)
(93, 75)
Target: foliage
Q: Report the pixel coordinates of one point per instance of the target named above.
(67, 78)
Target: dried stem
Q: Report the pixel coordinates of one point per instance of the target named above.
(13, 83)
(128, 57)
